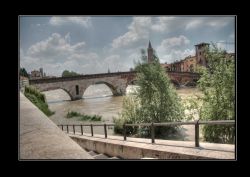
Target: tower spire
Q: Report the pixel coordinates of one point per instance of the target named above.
(150, 52)
(149, 45)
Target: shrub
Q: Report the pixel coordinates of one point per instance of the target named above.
(83, 117)
(38, 99)
(72, 114)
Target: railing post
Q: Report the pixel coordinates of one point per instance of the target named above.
(62, 127)
(67, 129)
(197, 134)
(81, 130)
(152, 132)
(124, 132)
(74, 129)
(105, 130)
(92, 133)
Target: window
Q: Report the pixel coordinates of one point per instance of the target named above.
(77, 90)
(191, 68)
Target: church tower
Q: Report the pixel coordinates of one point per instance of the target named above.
(150, 53)
(200, 54)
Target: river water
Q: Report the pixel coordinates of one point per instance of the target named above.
(98, 99)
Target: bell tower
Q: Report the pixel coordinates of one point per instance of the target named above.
(150, 53)
(200, 54)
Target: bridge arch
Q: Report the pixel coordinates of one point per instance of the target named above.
(132, 82)
(55, 88)
(191, 83)
(114, 89)
(176, 83)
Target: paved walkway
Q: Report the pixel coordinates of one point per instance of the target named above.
(206, 150)
(40, 138)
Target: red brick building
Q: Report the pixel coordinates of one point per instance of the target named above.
(189, 64)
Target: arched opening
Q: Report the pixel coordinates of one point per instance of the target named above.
(131, 86)
(57, 95)
(191, 68)
(77, 90)
(99, 89)
(132, 82)
(176, 83)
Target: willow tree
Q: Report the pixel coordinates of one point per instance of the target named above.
(217, 83)
(155, 100)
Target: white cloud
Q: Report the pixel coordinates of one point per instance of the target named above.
(220, 22)
(115, 63)
(162, 24)
(67, 38)
(56, 54)
(232, 36)
(79, 46)
(193, 24)
(176, 54)
(54, 46)
(138, 30)
(210, 22)
(174, 42)
(82, 21)
(174, 48)
(221, 44)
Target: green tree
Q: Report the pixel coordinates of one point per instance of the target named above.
(155, 99)
(67, 73)
(217, 83)
(23, 72)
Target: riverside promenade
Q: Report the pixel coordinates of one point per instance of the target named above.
(40, 138)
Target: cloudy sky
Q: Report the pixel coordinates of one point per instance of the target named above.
(94, 44)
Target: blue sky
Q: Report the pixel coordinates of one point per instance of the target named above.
(94, 44)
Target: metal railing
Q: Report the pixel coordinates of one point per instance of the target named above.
(87, 125)
(195, 123)
(152, 126)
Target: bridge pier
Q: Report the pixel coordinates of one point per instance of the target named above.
(73, 98)
(120, 91)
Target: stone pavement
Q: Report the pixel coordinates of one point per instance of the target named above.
(40, 138)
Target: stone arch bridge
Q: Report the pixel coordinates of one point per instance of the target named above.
(75, 86)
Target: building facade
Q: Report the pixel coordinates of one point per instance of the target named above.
(35, 74)
(189, 64)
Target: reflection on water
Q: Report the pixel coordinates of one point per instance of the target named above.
(97, 99)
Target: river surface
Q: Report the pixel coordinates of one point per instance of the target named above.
(98, 99)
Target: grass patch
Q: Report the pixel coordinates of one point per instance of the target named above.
(83, 117)
(72, 114)
(90, 117)
(38, 99)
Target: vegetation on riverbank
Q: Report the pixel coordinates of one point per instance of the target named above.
(67, 73)
(38, 99)
(83, 117)
(155, 100)
(217, 83)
